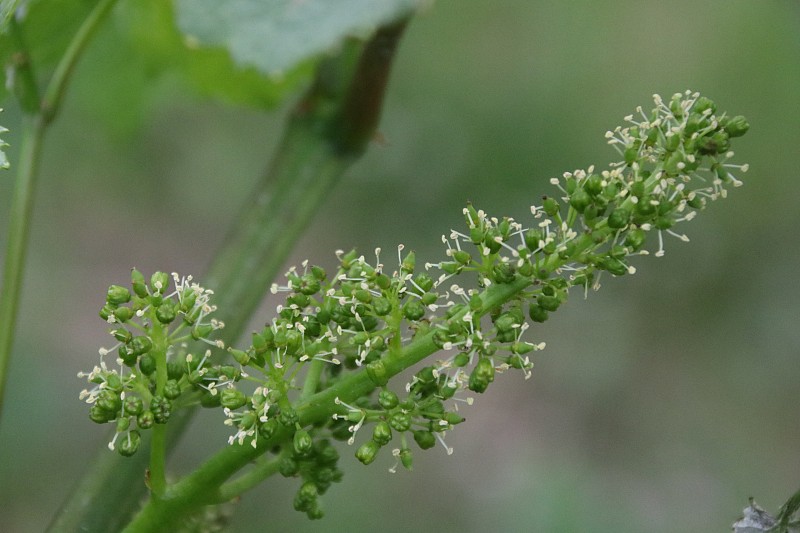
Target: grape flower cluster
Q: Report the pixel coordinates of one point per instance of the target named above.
(375, 321)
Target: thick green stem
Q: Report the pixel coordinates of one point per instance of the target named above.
(311, 382)
(35, 123)
(247, 481)
(313, 155)
(158, 458)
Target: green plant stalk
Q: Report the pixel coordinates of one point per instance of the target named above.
(311, 381)
(158, 446)
(312, 156)
(247, 481)
(34, 125)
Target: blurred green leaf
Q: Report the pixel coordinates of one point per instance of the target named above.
(140, 47)
(274, 36)
(46, 29)
(7, 8)
(153, 35)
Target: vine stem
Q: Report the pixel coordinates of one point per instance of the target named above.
(158, 446)
(34, 126)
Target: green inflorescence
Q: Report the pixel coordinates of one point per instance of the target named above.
(674, 160)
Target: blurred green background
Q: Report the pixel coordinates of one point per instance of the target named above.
(660, 404)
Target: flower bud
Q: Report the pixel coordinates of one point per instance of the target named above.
(122, 335)
(481, 375)
(123, 314)
(376, 371)
(406, 458)
(413, 309)
(145, 419)
(367, 452)
(618, 218)
(388, 399)
(141, 345)
(159, 282)
(171, 389)
(161, 408)
(133, 405)
(167, 312)
(302, 442)
(424, 439)
(382, 433)
(232, 398)
(147, 364)
(550, 206)
(737, 126)
(118, 295)
(128, 444)
(400, 421)
(137, 281)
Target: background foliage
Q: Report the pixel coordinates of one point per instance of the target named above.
(660, 404)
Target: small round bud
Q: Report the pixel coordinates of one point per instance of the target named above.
(550, 206)
(288, 467)
(98, 415)
(382, 433)
(461, 360)
(481, 376)
(241, 357)
(122, 335)
(737, 126)
(133, 405)
(548, 303)
(128, 444)
(580, 200)
(138, 283)
(635, 239)
(619, 218)
(376, 371)
(123, 314)
(167, 312)
(118, 295)
(145, 419)
(408, 264)
(141, 345)
(147, 364)
(161, 408)
(400, 421)
(302, 442)
(406, 458)
(232, 398)
(288, 417)
(159, 282)
(413, 310)
(424, 439)
(171, 389)
(367, 452)
(388, 399)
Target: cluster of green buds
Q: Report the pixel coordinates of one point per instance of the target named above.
(367, 320)
(151, 370)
